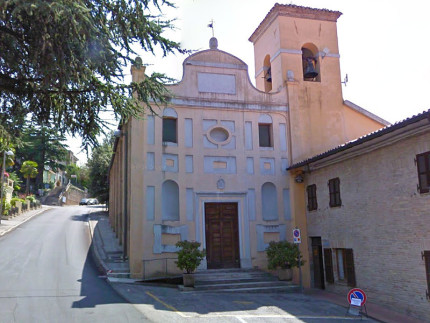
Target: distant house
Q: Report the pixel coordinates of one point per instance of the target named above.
(368, 209)
(49, 177)
(61, 177)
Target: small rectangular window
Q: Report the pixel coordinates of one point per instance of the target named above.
(427, 265)
(423, 167)
(312, 197)
(345, 266)
(169, 130)
(334, 189)
(265, 136)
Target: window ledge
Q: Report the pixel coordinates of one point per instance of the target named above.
(266, 148)
(168, 143)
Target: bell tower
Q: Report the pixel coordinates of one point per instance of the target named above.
(296, 51)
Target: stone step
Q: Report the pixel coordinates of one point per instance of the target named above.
(236, 285)
(242, 289)
(233, 280)
(240, 280)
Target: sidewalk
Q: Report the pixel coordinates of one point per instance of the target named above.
(9, 225)
(108, 256)
(107, 253)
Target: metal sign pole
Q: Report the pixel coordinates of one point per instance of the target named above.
(300, 274)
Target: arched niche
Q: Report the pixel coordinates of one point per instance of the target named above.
(170, 201)
(267, 68)
(310, 63)
(269, 202)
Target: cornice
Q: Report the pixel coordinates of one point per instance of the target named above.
(296, 12)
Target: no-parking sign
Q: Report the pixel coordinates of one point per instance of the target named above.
(356, 294)
(296, 236)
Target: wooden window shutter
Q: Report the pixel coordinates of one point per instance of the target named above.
(328, 262)
(427, 263)
(350, 270)
(423, 168)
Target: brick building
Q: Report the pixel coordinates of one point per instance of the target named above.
(368, 208)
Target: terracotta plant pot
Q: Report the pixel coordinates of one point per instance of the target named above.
(188, 280)
(285, 274)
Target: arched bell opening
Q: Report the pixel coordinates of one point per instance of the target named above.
(267, 69)
(311, 64)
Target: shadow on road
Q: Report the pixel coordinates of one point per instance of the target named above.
(94, 287)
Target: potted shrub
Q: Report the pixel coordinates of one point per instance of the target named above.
(284, 256)
(189, 258)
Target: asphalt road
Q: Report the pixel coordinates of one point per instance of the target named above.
(47, 274)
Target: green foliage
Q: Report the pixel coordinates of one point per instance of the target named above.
(16, 199)
(29, 170)
(16, 181)
(43, 145)
(6, 207)
(283, 254)
(31, 198)
(98, 166)
(62, 62)
(189, 256)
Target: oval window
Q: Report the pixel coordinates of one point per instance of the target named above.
(219, 134)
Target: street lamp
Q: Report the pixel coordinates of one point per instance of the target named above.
(5, 153)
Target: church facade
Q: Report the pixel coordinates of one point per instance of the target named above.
(211, 166)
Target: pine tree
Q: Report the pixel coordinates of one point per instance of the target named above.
(62, 62)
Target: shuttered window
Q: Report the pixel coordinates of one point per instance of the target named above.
(334, 189)
(345, 266)
(312, 197)
(350, 270)
(169, 130)
(328, 264)
(423, 167)
(427, 263)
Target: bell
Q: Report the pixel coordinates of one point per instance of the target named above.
(310, 72)
(268, 75)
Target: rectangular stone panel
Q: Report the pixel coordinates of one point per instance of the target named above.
(216, 83)
(150, 201)
(230, 162)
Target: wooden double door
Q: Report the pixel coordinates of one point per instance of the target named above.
(222, 235)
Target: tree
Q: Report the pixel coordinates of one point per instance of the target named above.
(43, 145)
(29, 170)
(62, 61)
(98, 166)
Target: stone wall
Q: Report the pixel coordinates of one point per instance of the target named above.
(74, 195)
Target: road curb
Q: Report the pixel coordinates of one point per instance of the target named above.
(100, 264)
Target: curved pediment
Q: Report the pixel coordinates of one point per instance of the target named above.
(217, 76)
(216, 57)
